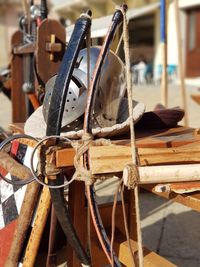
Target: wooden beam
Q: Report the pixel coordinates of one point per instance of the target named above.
(102, 157)
(191, 200)
(167, 174)
(38, 228)
(196, 98)
(17, 95)
(151, 259)
(179, 188)
(181, 68)
(23, 224)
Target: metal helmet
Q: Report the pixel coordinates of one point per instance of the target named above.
(111, 90)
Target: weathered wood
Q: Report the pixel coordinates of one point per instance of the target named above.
(196, 98)
(179, 188)
(172, 137)
(53, 47)
(152, 141)
(65, 157)
(17, 95)
(98, 257)
(102, 157)
(151, 259)
(13, 167)
(23, 223)
(38, 228)
(152, 138)
(168, 173)
(17, 127)
(46, 67)
(24, 49)
(191, 200)
(76, 205)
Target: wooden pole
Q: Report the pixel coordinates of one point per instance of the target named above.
(180, 62)
(23, 223)
(38, 228)
(165, 174)
(163, 40)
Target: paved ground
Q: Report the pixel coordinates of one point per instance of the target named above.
(170, 229)
(150, 95)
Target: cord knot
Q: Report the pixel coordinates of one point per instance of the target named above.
(131, 176)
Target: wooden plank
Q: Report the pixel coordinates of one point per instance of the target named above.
(101, 160)
(172, 137)
(151, 259)
(9, 164)
(180, 188)
(102, 157)
(196, 98)
(24, 221)
(17, 127)
(191, 200)
(121, 155)
(45, 66)
(17, 95)
(65, 157)
(38, 228)
(76, 205)
(98, 257)
(154, 139)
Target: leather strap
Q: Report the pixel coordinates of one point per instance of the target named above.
(105, 243)
(54, 121)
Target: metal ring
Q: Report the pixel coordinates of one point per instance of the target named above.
(32, 167)
(3, 144)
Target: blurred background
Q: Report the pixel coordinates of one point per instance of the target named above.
(146, 52)
(144, 29)
(169, 235)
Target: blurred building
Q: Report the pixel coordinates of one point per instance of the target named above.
(10, 11)
(144, 29)
(190, 39)
(141, 14)
(191, 36)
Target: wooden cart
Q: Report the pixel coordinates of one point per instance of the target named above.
(161, 146)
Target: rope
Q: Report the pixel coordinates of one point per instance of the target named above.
(132, 133)
(126, 226)
(113, 222)
(119, 44)
(81, 173)
(50, 166)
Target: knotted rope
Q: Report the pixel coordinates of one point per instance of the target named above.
(133, 169)
(81, 173)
